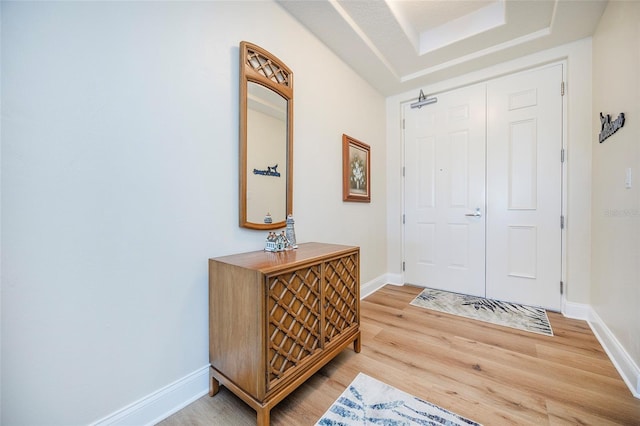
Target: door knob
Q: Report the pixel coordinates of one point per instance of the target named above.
(475, 214)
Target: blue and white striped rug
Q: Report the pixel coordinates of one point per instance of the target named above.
(521, 317)
(368, 401)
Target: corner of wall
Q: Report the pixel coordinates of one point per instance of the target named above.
(574, 310)
(377, 283)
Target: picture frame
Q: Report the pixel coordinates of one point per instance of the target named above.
(356, 170)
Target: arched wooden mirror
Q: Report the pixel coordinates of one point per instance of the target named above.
(266, 139)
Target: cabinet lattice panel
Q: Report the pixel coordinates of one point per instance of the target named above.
(341, 294)
(294, 312)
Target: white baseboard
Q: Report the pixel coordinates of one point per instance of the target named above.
(623, 362)
(617, 354)
(162, 403)
(370, 287)
(395, 279)
(575, 310)
(377, 283)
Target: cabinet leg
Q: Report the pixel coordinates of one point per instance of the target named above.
(214, 386)
(263, 416)
(357, 345)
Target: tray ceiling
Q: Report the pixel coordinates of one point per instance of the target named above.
(399, 45)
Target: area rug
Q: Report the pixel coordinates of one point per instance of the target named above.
(521, 317)
(368, 401)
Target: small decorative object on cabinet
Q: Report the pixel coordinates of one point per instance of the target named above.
(277, 318)
(291, 232)
(276, 242)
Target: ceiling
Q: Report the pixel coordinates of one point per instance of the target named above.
(400, 45)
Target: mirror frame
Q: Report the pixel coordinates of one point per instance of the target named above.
(273, 74)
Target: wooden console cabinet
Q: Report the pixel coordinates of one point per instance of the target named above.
(277, 318)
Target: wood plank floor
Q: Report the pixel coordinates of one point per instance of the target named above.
(491, 374)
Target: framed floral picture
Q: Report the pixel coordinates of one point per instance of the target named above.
(356, 170)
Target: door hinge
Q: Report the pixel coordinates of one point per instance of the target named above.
(562, 222)
(403, 217)
(402, 266)
(562, 155)
(562, 89)
(403, 171)
(561, 287)
(403, 124)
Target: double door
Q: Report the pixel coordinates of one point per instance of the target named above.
(483, 190)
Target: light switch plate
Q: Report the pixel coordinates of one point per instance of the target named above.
(628, 178)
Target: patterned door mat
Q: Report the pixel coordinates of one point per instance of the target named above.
(368, 401)
(521, 317)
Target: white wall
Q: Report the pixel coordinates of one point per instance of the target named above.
(615, 296)
(119, 181)
(577, 56)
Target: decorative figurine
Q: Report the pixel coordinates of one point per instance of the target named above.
(291, 233)
(276, 242)
(270, 243)
(285, 240)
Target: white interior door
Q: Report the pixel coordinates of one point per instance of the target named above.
(494, 147)
(445, 192)
(524, 177)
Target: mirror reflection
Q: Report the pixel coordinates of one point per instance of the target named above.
(266, 154)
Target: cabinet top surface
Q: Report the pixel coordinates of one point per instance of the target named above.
(265, 260)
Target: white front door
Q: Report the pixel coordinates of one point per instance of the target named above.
(524, 177)
(493, 148)
(445, 192)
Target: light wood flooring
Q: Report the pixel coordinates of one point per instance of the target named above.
(491, 374)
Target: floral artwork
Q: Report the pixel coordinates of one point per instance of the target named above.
(356, 170)
(357, 181)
